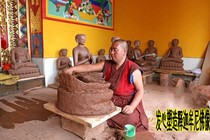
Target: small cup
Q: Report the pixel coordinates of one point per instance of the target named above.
(130, 131)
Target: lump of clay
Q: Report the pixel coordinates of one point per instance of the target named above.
(84, 94)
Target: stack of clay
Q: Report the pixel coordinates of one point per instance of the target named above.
(84, 94)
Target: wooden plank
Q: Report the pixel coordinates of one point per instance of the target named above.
(147, 78)
(205, 73)
(90, 121)
(31, 78)
(175, 72)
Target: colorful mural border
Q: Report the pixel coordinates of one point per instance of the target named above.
(94, 13)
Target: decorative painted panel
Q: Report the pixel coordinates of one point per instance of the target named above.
(96, 13)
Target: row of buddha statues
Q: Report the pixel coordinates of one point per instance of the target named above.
(147, 60)
(23, 66)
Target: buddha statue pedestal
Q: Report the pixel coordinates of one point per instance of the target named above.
(25, 72)
(171, 65)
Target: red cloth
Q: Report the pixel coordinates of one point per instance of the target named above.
(3, 43)
(6, 67)
(124, 92)
(122, 76)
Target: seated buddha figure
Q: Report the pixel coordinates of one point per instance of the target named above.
(22, 64)
(149, 51)
(173, 60)
(101, 56)
(130, 50)
(139, 58)
(63, 62)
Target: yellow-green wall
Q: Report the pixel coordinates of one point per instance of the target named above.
(163, 20)
(160, 20)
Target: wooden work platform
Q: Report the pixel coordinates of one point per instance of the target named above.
(85, 127)
(22, 85)
(90, 121)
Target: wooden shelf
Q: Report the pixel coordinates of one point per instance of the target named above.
(31, 78)
(22, 85)
(175, 72)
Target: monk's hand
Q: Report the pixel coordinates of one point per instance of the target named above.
(128, 109)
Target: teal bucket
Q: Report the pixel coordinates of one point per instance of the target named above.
(130, 132)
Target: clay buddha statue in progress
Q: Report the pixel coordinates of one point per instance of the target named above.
(85, 94)
(173, 59)
(101, 56)
(151, 50)
(139, 59)
(130, 54)
(22, 64)
(114, 38)
(81, 54)
(63, 62)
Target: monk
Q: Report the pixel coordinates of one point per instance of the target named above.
(81, 54)
(125, 77)
(113, 39)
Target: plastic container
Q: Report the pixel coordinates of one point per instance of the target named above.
(130, 132)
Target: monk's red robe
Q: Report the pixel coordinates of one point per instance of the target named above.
(124, 91)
